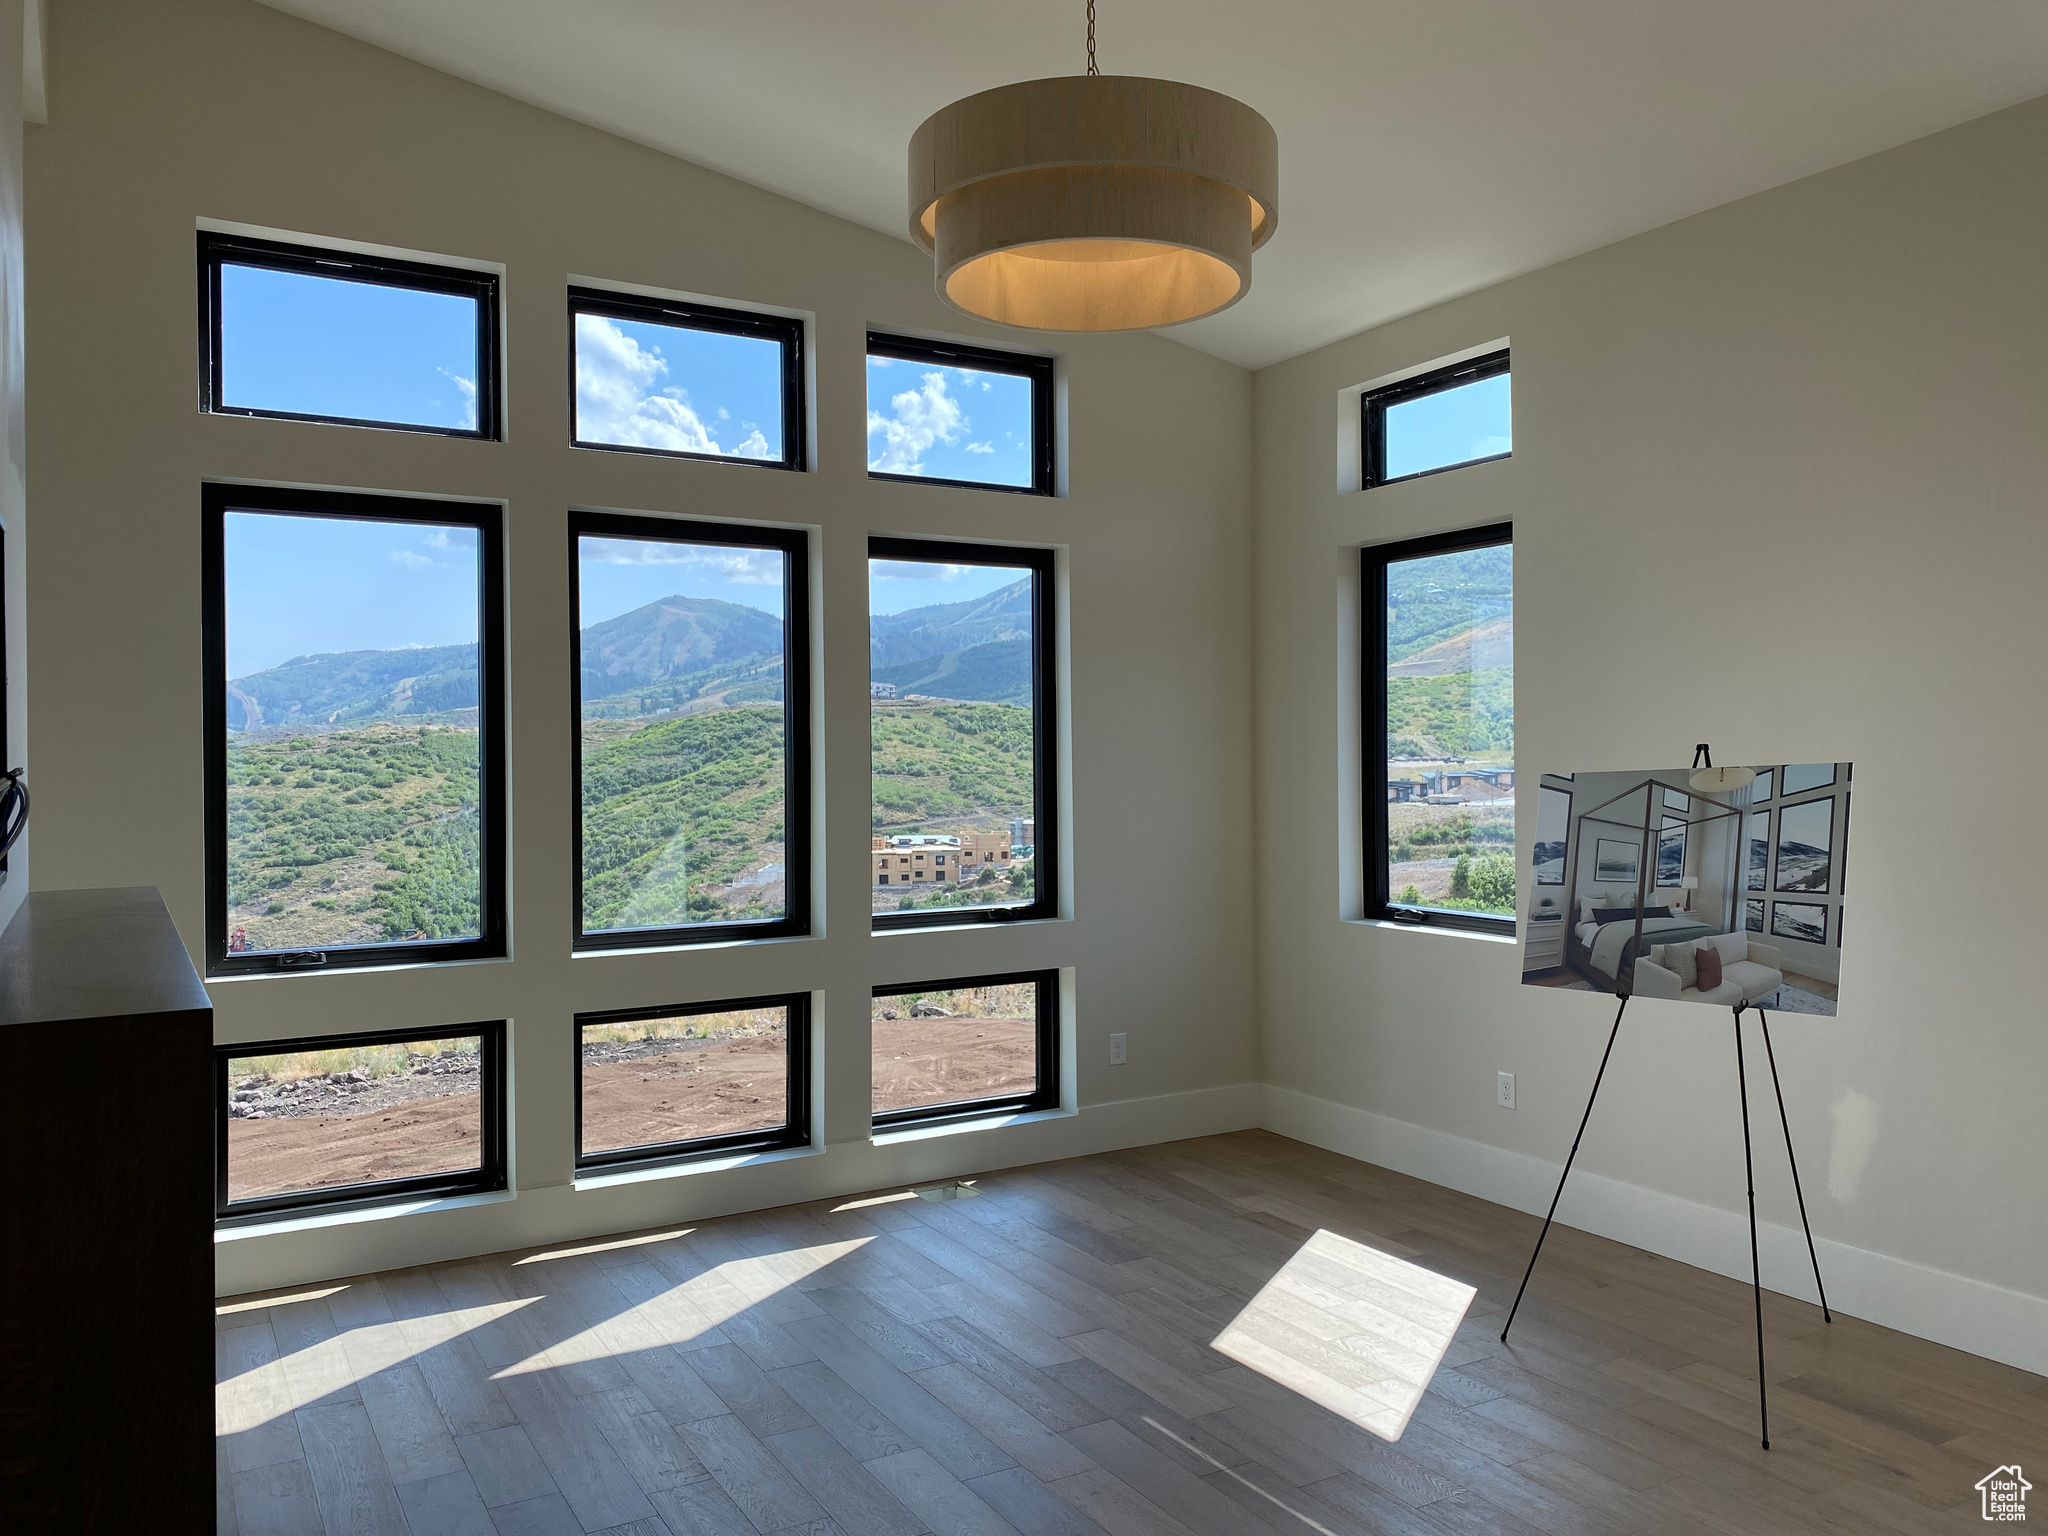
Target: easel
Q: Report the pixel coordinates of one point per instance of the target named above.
(1748, 1164)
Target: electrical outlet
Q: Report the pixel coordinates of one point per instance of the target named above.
(1116, 1049)
(1506, 1089)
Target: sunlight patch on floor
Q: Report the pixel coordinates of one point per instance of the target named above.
(1353, 1330)
(605, 1245)
(689, 1307)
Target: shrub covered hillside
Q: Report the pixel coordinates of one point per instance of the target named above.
(938, 767)
(353, 837)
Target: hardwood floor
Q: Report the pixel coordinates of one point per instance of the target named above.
(1236, 1336)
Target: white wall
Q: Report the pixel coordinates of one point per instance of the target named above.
(13, 433)
(162, 115)
(1779, 484)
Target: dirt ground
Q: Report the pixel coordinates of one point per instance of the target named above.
(935, 1061)
(680, 1090)
(399, 1141)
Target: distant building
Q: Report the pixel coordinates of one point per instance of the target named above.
(1023, 833)
(923, 858)
(1467, 786)
(1402, 791)
(881, 690)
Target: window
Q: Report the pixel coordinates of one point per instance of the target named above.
(1439, 420)
(659, 1084)
(959, 415)
(977, 1046)
(1439, 672)
(962, 739)
(307, 334)
(1796, 839)
(355, 745)
(346, 1120)
(689, 380)
(692, 731)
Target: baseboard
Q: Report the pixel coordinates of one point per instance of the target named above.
(257, 1260)
(1984, 1319)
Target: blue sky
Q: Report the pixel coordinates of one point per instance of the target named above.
(1473, 421)
(298, 586)
(619, 575)
(894, 585)
(949, 423)
(669, 387)
(324, 346)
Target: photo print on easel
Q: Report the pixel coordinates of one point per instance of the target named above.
(1645, 871)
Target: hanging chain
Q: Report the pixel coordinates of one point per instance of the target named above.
(1091, 38)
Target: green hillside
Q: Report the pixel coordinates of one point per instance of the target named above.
(919, 633)
(942, 765)
(660, 644)
(1464, 714)
(347, 687)
(1431, 599)
(998, 672)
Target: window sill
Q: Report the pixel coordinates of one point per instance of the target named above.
(981, 925)
(916, 1132)
(316, 1220)
(1433, 928)
(609, 1178)
(690, 946)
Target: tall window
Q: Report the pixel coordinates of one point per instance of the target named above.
(362, 1119)
(1440, 700)
(690, 380)
(660, 1084)
(961, 732)
(355, 746)
(976, 1046)
(692, 731)
(322, 335)
(1448, 417)
(959, 415)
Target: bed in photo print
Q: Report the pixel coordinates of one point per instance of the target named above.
(1631, 875)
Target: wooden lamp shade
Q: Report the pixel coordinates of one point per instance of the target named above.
(1094, 202)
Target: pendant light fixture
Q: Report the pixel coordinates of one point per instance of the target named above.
(1094, 202)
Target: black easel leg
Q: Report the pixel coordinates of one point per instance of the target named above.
(1567, 1169)
(1785, 1120)
(1756, 1280)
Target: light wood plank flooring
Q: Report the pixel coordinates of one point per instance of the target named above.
(1236, 1336)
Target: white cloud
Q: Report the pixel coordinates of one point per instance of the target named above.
(923, 416)
(987, 447)
(916, 570)
(467, 388)
(742, 567)
(620, 398)
(411, 559)
(724, 414)
(436, 538)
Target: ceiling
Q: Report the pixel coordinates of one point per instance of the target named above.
(1427, 147)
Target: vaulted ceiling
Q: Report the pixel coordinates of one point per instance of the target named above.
(1428, 147)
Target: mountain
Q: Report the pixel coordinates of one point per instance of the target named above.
(1437, 596)
(672, 638)
(996, 673)
(352, 686)
(918, 634)
(1487, 644)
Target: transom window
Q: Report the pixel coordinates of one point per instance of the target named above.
(958, 415)
(1439, 753)
(308, 334)
(1444, 419)
(694, 381)
(354, 736)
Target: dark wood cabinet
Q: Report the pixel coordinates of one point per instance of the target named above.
(106, 1242)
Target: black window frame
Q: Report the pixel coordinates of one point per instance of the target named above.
(1045, 875)
(490, 1177)
(785, 331)
(217, 249)
(794, 1133)
(1375, 403)
(217, 499)
(1374, 560)
(794, 544)
(1043, 1097)
(946, 354)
